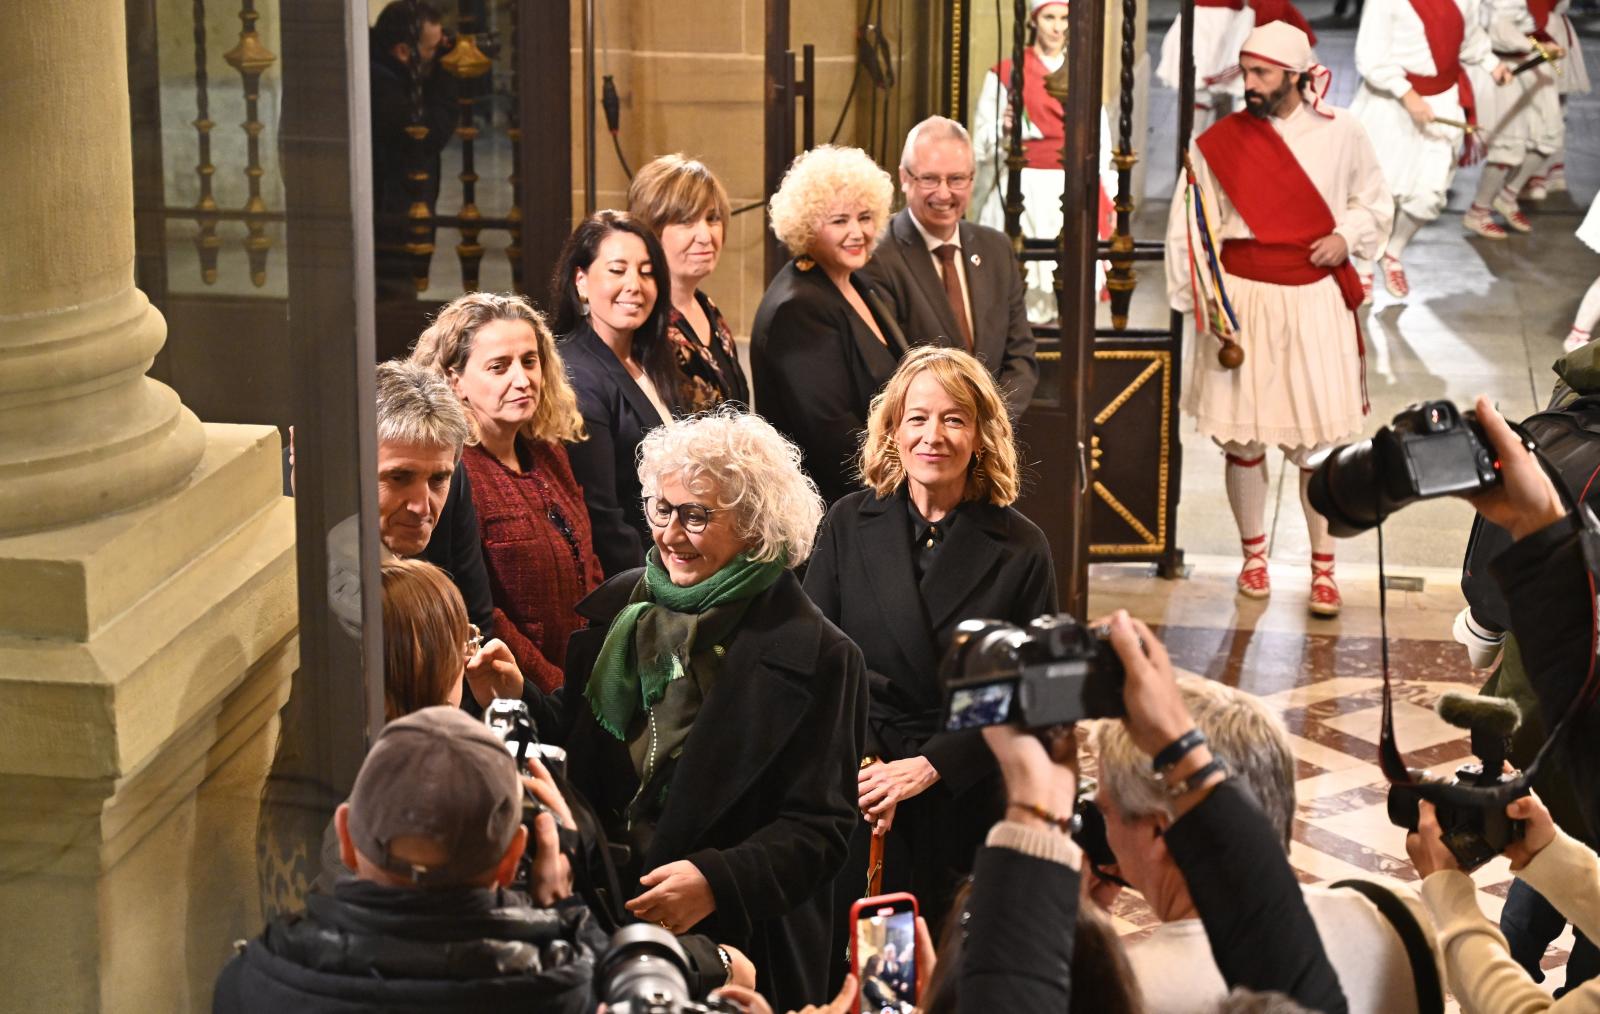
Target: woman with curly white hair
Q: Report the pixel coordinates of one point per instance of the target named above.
(824, 338)
(711, 715)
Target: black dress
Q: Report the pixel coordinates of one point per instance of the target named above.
(616, 412)
(989, 563)
(763, 797)
(709, 370)
(815, 365)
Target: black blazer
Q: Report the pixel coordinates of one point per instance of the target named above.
(764, 796)
(456, 548)
(815, 366)
(995, 564)
(616, 414)
(904, 271)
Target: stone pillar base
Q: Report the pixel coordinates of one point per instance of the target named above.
(143, 661)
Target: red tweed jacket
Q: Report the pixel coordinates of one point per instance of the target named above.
(537, 550)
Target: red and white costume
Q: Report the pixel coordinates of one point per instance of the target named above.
(1043, 180)
(1220, 28)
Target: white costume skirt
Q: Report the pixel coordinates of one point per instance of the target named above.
(1300, 384)
(1572, 75)
(1041, 219)
(1520, 118)
(1417, 164)
(1219, 34)
(1589, 231)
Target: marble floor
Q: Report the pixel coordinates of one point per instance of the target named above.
(1482, 317)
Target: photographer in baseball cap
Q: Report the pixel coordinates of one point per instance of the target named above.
(434, 831)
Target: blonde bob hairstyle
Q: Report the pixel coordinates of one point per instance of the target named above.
(446, 347)
(740, 462)
(992, 476)
(676, 190)
(820, 180)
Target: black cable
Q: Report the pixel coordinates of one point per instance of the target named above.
(612, 105)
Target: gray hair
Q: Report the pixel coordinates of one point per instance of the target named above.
(748, 466)
(934, 128)
(416, 406)
(1248, 736)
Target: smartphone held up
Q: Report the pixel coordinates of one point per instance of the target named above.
(883, 953)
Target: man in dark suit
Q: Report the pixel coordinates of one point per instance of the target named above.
(954, 282)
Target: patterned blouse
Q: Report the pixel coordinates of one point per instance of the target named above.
(707, 376)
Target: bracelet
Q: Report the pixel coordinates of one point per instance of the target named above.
(1066, 825)
(727, 965)
(1184, 786)
(1176, 751)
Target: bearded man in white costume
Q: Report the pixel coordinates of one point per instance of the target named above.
(1292, 190)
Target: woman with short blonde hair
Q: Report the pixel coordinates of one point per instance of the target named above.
(500, 359)
(684, 204)
(931, 542)
(825, 338)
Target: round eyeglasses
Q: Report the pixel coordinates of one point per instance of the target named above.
(692, 516)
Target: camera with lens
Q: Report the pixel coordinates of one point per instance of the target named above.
(1052, 672)
(1471, 808)
(508, 719)
(1429, 450)
(645, 971)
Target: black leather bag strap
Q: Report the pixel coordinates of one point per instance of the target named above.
(1424, 969)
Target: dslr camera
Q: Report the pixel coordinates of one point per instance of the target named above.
(1429, 450)
(646, 972)
(508, 718)
(1471, 807)
(1052, 672)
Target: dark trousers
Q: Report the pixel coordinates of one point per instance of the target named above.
(1529, 923)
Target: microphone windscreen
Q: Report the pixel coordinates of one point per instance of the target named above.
(1495, 716)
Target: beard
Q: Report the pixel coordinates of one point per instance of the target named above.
(1264, 105)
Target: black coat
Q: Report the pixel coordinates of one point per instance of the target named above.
(904, 271)
(366, 947)
(764, 794)
(994, 564)
(815, 365)
(456, 548)
(616, 413)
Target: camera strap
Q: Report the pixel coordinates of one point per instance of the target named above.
(1392, 762)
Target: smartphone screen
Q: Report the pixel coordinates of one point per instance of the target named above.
(884, 949)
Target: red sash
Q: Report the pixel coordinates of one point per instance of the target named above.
(1243, 152)
(1236, 5)
(1541, 11)
(1268, 11)
(1445, 28)
(1282, 207)
(1043, 112)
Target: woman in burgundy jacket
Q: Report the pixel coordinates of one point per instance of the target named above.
(501, 359)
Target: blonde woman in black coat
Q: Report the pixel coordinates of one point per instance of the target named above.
(932, 541)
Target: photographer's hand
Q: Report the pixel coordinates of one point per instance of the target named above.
(1426, 845)
(492, 672)
(1541, 830)
(883, 785)
(1035, 776)
(1525, 501)
(679, 896)
(551, 876)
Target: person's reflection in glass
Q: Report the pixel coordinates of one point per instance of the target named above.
(408, 89)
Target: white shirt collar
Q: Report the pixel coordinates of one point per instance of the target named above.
(933, 241)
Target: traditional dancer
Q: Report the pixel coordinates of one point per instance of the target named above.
(1417, 105)
(1043, 134)
(1282, 195)
(1572, 78)
(1526, 129)
(1220, 28)
(1589, 308)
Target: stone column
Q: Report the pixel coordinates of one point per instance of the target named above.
(147, 585)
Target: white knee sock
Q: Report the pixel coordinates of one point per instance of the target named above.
(1245, 477)
(1529, 168)
(1405, 227)
(1588, 310)
(1316, 524)
(1489, 184)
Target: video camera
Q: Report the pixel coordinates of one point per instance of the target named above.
(1052, 672)
(1472, 807)
(1429, 450)
(645, 971)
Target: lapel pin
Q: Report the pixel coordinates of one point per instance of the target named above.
(977, 261)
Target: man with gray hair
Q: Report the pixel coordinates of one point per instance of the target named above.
(1174, 966)
(954, 282)
(424, 500)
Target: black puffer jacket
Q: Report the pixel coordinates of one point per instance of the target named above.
(367, 947)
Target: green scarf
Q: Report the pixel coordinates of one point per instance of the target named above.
(636, 663)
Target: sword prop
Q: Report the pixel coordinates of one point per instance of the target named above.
(1542, 53)
(1462, 125)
